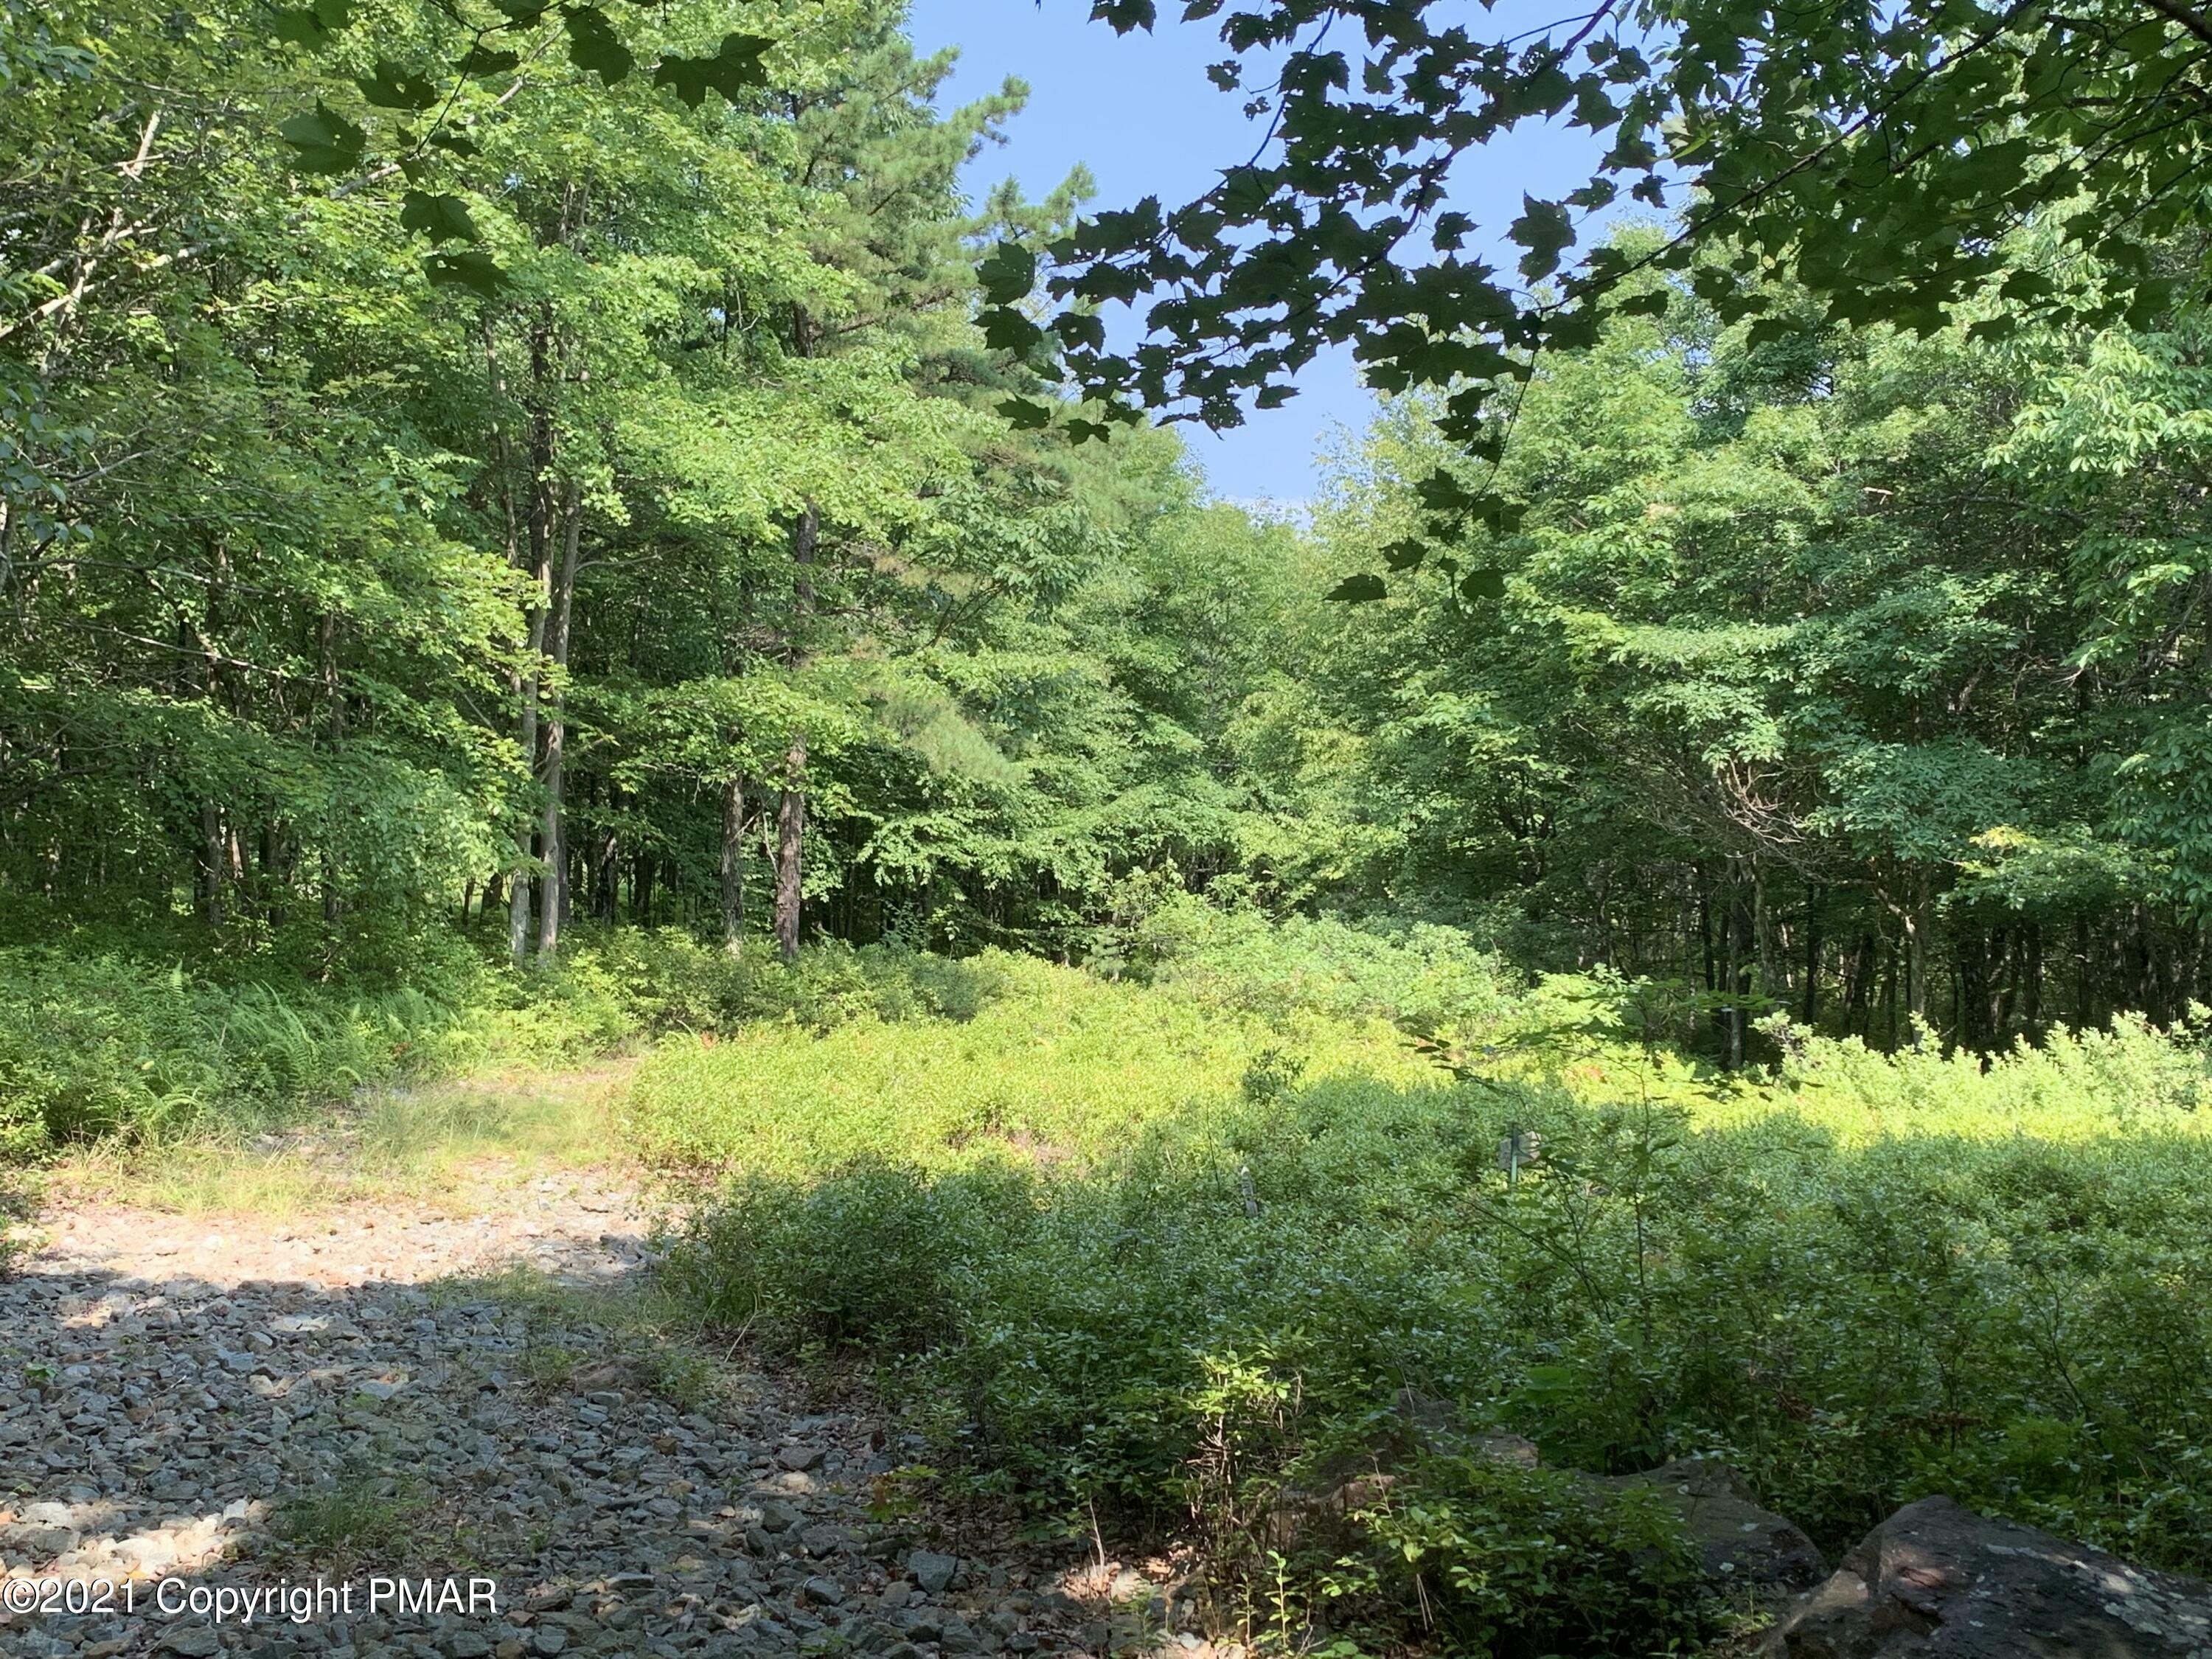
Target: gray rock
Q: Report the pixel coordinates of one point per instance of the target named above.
(1740, 1544)
(1937, 1581)
(193, 1641)
(548, 1639)
(933, 1572)
(828, 1591)
(799, 1459)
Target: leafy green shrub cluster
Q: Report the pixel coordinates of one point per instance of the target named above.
(1120, 1279)
(1058, 1064)
(107, 1045)
(1427, 976)
(2077, 1086)
(102, 1042)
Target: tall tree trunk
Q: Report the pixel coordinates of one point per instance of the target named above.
(1811, 1005)
(733, 864)
(2080, 973)
(553, 895)
(525, 740)
(540, 540)
(1705, 928)
(1858, 993)
(1892, 1020)
(326, 651)
(1730, 1015)
(791, 802)
(212, 851)
(2031, 1007)
(790, 839)
(1971, 969)
(1916, 959)
(1742, 986)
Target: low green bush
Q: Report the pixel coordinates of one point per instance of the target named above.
(98, 1043)
(1145, 1261)
(1425, 976)
(1054, 1064)
(111, 1047)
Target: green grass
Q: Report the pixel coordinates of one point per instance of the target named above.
(452, 1144)
(108, 1050)
(1058, 1065)
(360, 1517)
(1154, 1256)
(637, 1335)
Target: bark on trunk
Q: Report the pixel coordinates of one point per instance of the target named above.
(553, 834)
(525, 740)
(790, 839)
(326, 643)
(791, 803)
(541, 572)
(733, 864)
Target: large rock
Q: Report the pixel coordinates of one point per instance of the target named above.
(1939, 1581)
(1741, 1544)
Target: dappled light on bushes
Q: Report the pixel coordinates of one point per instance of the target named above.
(1859, 1280)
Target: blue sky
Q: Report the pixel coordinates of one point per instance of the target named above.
(1140, 113)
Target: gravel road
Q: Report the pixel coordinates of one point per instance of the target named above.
(233, 1416)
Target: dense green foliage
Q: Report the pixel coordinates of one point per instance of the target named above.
(97, 1041)
(578, 553)
(1840, 673)
(690, 552)
(1855, 676)
(1131, 1252)
(1882, 153)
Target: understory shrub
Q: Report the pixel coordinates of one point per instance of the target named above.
(111, 1047)
(1112, 1277)
(102, 1042)
(1428, 977)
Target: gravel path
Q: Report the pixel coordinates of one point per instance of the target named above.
(218, 1419)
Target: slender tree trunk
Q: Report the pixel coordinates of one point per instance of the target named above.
(733, 864)
(1705, 928)
(525, 740)
(1971, 969)
(334, 723)
(1811, 1005)
(791, 803)
(2011, 951)
(553, 895)
(1915, 966)
(1772, 980)
(2080, 973)
(271, 881)
(2031, 1007)
(1889, 997)
(541, 578)
(1858, 996)
(1745, 963)
(211, 862)
(790, 840)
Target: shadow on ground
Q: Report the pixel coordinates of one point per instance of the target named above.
(173, 1431)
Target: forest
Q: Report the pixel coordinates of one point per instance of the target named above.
(541, 538)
